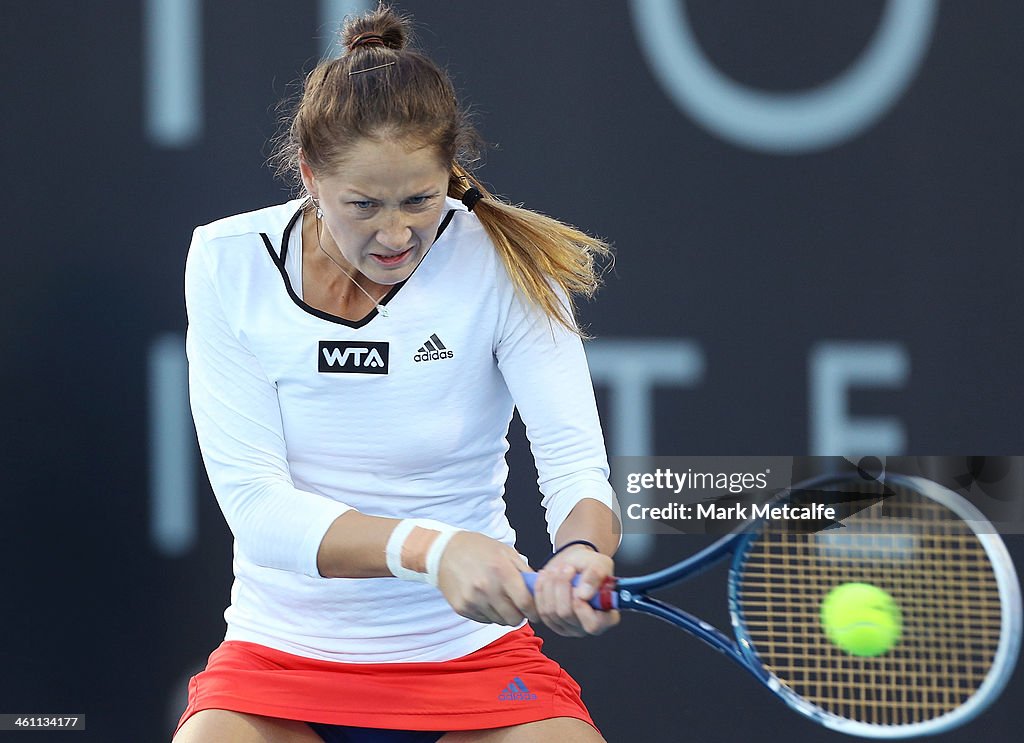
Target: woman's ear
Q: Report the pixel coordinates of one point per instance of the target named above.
(308, 179)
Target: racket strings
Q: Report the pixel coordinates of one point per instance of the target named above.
(933, 566)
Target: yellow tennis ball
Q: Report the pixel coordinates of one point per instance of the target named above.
(861, 618)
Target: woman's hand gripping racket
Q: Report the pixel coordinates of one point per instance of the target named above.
(949, 651)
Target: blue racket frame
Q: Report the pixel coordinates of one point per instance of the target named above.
(630, 594)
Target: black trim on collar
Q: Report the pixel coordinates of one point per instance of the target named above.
(287, 233)
(444, 223)
(279, 261)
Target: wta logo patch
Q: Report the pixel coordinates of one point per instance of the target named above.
(516, 692)
(351, 357)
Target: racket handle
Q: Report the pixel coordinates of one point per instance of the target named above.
(606, 598)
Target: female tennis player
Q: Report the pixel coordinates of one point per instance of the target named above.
(354, 359)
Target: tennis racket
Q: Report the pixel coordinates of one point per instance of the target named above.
(930, 549)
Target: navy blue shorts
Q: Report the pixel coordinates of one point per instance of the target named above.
(346, 734)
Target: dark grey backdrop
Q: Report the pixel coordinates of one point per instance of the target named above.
(907, 234)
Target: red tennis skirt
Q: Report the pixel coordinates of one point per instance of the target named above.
(509, 682)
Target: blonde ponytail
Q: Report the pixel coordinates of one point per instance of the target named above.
(538, 250)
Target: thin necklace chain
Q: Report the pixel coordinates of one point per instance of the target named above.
(376, 302)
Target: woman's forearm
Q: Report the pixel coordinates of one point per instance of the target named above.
(594, 522)
(354, 546)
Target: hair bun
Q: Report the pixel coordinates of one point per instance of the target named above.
(382, 27)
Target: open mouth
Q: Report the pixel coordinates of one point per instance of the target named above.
(391, 260)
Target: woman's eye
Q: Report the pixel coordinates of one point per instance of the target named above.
(418, 200)
(362, 205)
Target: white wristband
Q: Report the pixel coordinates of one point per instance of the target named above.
(434, 553)
(394, 552)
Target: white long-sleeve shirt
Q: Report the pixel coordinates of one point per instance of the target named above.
(302, 416)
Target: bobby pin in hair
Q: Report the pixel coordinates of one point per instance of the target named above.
(356, 72)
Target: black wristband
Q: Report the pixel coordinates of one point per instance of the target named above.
(570, 544)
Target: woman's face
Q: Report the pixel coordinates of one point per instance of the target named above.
(382, 206)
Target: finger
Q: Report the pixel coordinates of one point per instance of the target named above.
(476, 615)
(485, 615)
(523, 600)
(595, 622)
(506, 611)
(500, 597)
(520, 563)
(520, 595)
(593, 572)
(560, 615)
(561, 594)
(489, 605)
(593, 569)
(563, 618)
(542, 595)
(476, 608)
(590, 581)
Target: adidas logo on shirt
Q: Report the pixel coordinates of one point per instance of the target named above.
(516, 692)
(433, 350)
